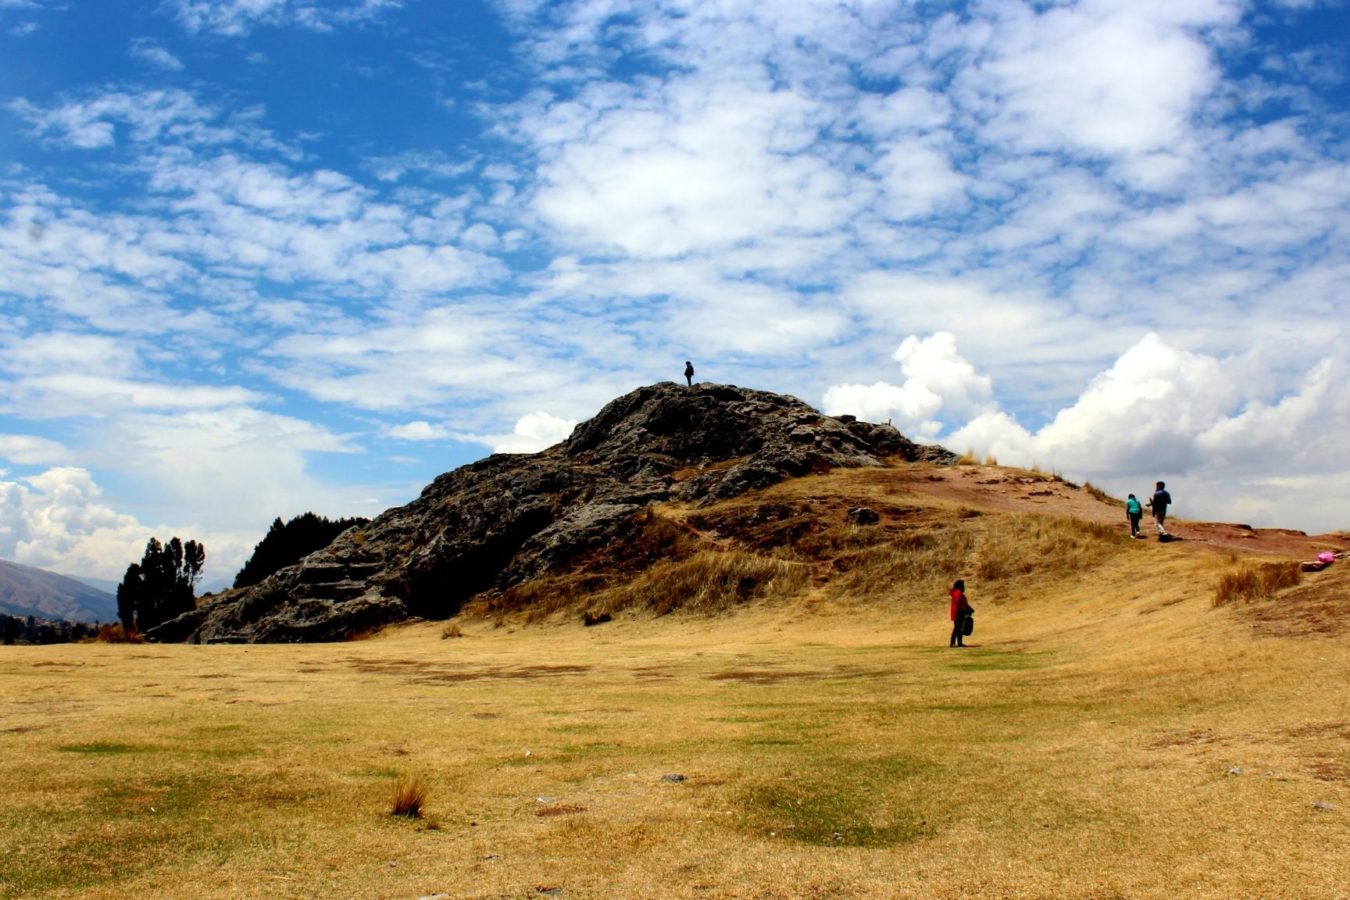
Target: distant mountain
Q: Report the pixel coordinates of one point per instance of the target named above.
(106, 585)
(26, 591)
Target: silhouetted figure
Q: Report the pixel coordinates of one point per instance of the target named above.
(689, 372)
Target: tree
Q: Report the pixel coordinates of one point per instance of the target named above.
(286, 543)
(162, 586)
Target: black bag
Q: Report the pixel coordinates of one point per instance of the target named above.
(968, 622)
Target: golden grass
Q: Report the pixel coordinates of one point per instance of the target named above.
(410, 796)
(1108, 734)
(1248, 582)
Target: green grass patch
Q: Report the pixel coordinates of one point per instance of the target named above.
(104, 748)
(868, 804)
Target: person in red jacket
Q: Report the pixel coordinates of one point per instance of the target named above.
(960, 609)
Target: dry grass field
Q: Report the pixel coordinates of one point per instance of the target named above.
(797, 728)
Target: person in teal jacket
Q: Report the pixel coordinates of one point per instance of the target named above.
(1134, 511)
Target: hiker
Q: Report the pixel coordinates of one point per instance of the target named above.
(960, 610)
(1134, 511)
(1159, 503)
(689, 372)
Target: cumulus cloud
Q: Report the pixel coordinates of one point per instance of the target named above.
(419, 431)
(58, 520)
(533, 432)
(1189, 418)
(939, 380)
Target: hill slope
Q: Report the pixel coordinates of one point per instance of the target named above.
(27, 591)
(501, 522)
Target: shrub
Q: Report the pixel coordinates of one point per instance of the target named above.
(116, 634)
(410, 797)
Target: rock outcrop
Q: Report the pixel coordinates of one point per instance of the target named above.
(503, 520)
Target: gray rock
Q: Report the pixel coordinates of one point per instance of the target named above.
(509, 518)
(862, 515)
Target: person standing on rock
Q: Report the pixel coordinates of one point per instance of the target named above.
(1159, 503)
(689, 372)
(960, 609)
(1134, 511)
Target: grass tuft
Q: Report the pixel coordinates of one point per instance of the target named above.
(410, 797)
(711, 581)
(1248, 583)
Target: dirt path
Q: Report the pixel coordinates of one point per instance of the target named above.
(1016, 490)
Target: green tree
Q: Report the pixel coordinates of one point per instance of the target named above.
(286, 543)
(162, 586)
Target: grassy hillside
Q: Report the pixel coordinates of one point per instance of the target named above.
(1112, 732)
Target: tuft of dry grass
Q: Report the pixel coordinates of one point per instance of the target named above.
(990, 459)
(1027, 545)
(451, 631)
(968, 459)
(1101, 495)
(410, 797)
(709, 582)
(920, 563)
(1249, 583)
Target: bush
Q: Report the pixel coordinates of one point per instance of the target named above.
(116, 634)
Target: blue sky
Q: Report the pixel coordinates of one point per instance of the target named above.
(259, 257)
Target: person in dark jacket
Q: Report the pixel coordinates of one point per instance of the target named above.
(1159, 503)
(689, 372)
(960, 609)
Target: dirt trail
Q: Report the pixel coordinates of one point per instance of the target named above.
(1015, 490)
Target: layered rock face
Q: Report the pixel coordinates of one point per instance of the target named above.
(508, 518)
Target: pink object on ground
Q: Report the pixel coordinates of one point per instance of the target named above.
(1326, 556)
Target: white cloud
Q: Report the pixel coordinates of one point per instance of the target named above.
(235, 18)
(58, 520)
(1115, 77)
(698, 167)
(1198, 422)
(419, 431)
(938, 380)
(148, 51)
(533, 432)
(32, 450)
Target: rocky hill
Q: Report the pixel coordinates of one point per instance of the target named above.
(495, 524)
(27, 591)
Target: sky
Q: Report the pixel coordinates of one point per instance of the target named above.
(262, 257)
